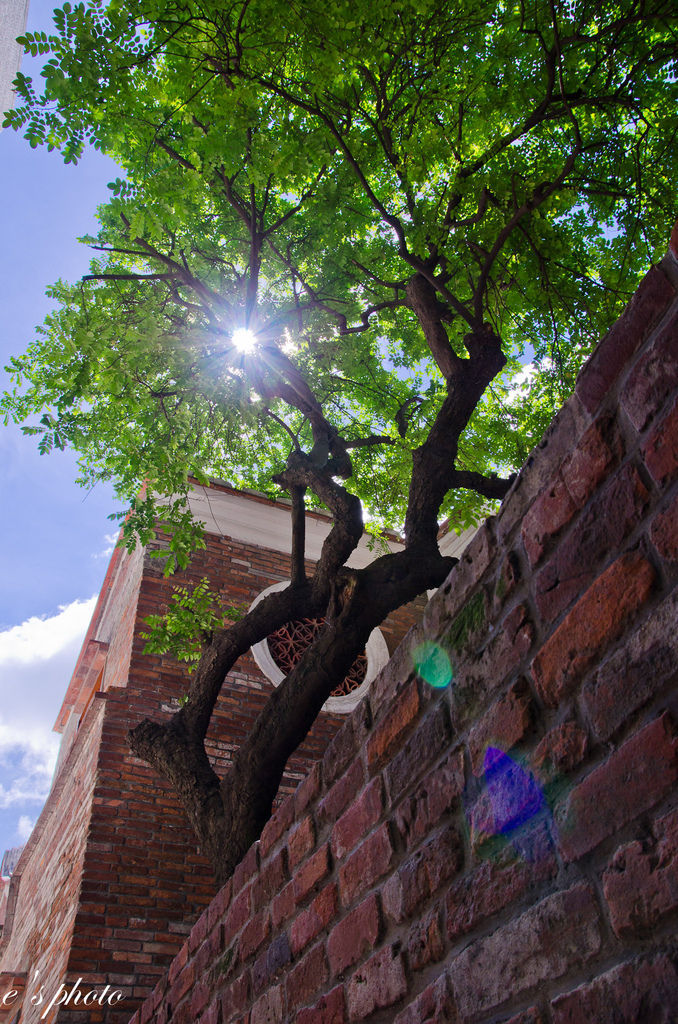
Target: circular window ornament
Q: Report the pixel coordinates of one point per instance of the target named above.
(279, 653)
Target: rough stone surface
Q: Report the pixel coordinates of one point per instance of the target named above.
(641, 884)
(380, 982)
(631, 993)
(561, 750)
(549, 939)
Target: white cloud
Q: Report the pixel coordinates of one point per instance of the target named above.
(24, 828)
(110, 539)
(26, 766)
(37, 659)
(41, 639)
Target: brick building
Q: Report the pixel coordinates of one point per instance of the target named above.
(111, 880)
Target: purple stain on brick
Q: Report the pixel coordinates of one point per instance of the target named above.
(514, 794)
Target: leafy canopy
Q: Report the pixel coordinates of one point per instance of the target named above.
(292, 168)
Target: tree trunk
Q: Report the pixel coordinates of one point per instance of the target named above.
(228, 815)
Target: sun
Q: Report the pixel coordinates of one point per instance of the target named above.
(244, 339)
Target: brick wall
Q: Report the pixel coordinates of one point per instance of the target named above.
(493, 834)
(43, 898)
(111, 880)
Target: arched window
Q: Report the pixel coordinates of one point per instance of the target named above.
(280, 652)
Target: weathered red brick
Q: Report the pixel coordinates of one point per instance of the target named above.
(633, 675)
(182, 1014)
(508, 577)
(653, 378)
(561, 750)
(533, 1015)
(307, 791)
(246, 869)
(422, 874)
(542, 465)
(178, 963)
(499, 882)
(354, 935)
(275, 827)
(633, 992)
(182, 985)
(640, 884)
(552, 510)
(311, 921)
(664, 532)
(219, 905)
(345, 745)
(306, 978)
(271, 878)
(609, 519)
(425, 941)
(366, 865)
(479, 676)
(269, 1009)
(357, 820)
(559, 933)
(342, 793)
(434, 1005)
(255, 933)
(331, 1009)
(200, 997)
(505, 724)
(396, 724)
(660, 451)
(633, 779)
(237, 914)
(597, 619)
(198, 933)
(311, 873)
(300, 842)
(429, 740)
(419, 813)
(376, 984)
(613, 353)
(270, 963)
(589, 463)
(283, 905)
(236, 996)
(212, 1014)
(147, 1010)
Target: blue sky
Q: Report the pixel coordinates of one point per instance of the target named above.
(55, 539)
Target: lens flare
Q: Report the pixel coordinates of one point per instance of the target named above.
(514, 793)
(244, 339)
(432, 664)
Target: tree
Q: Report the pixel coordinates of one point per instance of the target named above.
(340, 232)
